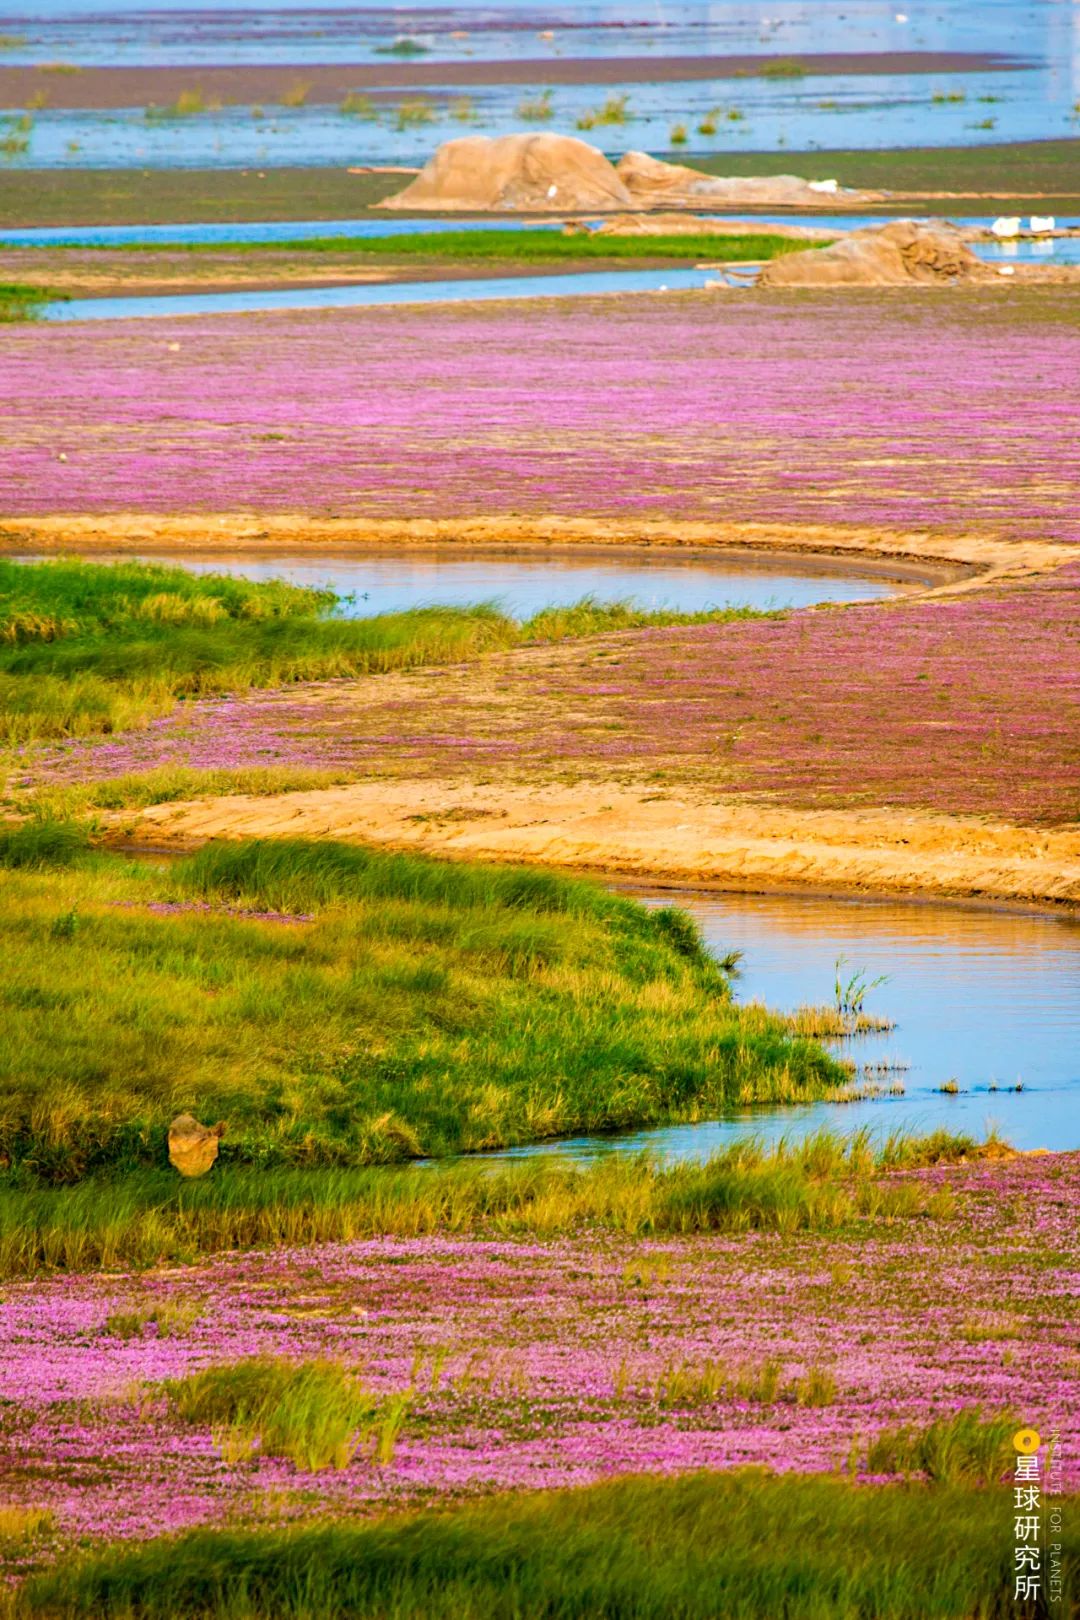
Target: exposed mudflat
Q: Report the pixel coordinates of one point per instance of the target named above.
(139, 86)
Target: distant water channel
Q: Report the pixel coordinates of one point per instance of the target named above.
(980, 997)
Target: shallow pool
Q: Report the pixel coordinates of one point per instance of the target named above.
(981, 997)
(522, 583)
(378, 294)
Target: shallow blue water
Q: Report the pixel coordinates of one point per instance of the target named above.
(827, 110)
(524, 583)
(983, 997)
(378, 293)
(817, 111)
(124, 32)
(306, 230)
(298, 230)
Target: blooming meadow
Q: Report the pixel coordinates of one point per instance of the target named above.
(970, 705)
(525, 1363)
(809, 408)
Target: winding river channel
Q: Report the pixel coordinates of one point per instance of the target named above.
(985, 999)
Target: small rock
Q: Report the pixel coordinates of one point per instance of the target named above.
(194, 1147)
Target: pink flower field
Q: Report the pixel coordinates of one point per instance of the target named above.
(551, 1363)
(969, 705)
(955, 412)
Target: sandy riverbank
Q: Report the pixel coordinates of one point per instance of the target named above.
(949, 563)
(682, 837)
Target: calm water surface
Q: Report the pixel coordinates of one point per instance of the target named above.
(374, 582)
(979, 996)
(821, 110)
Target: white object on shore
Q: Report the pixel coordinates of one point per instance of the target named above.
(1041, 223)
(1006, 225)
(828, 187)
(1006, 270)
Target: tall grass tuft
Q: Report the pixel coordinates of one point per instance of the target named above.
(965, 1449)
(315, 1414)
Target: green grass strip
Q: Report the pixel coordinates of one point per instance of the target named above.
(744, 1545)
(142, 1217)
(519, 246)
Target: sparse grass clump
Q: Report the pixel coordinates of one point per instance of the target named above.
(170, 1319)
(537, 109)
(357, 105)
(965, 1449)
(685, 1384)
(743, 1543)
(615, 110)
(188, 104)
(413, 113)
(315, 1414)
(782, 67)
(295, 94)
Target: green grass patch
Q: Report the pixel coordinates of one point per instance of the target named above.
(315, 1414)
(527, 246)
(23, 301)
(964, 1449)
(143, 1217)
(98, 647)
(427, 1007)
(741, 1544)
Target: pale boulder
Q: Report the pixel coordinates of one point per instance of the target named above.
(194, 1147)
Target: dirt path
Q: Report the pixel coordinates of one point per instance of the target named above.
(604, 828)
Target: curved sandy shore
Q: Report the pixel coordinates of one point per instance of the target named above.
(603, 828)
(683, 837)
(948, 561)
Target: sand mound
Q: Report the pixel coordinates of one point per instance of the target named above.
(530, 173)
(651, 182)
(893, 255)
(559, 174)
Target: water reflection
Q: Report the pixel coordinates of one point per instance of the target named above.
(523, 583)
(980, 997)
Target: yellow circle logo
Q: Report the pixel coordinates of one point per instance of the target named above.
(1026, 1441)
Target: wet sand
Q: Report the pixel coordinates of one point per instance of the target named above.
(104, 87)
